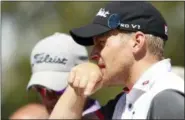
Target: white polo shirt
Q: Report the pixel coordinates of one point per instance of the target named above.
(136, 103)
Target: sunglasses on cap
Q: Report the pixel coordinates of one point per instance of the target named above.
(46, 92)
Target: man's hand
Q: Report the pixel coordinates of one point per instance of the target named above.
(85, 78)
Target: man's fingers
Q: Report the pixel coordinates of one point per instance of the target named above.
(89, 88)
(76, 84)
(71, 76)
(84, 79)
(92, 85)
(83, 82)
(76, 81)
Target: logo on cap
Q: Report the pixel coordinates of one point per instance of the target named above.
(166, 29)
(102, 13)
(48, 58)
(114, 21)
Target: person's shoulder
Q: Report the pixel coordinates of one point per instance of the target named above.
(30, 111)
(171, 94)
(174, 77)
(167, 104)
(169, 80)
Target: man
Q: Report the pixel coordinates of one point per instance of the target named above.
(128, 39)
(31, 111)
(51, 60)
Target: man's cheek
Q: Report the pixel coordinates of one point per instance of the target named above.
(114, 42)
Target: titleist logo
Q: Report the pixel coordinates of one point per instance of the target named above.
(48, 58)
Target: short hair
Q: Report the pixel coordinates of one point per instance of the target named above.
(155, 45)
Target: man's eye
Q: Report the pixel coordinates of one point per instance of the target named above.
(102, 43)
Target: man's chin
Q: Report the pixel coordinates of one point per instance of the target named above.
(112, 82)
(113, 85)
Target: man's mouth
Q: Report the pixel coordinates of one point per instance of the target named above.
(96, 59)
(101, 66)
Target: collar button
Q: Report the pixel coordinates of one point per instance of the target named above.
(130, 105)
(133, 112)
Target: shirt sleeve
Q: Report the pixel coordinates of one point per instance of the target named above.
(168, 104)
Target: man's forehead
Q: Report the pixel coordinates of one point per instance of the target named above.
(105, 35)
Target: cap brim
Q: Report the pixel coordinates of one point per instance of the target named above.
(83, 35)
(53, 80)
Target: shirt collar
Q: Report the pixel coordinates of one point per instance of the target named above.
(145, 82)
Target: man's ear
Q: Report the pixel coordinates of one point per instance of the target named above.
(139, 42)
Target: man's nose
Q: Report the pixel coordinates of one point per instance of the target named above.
(95, 55)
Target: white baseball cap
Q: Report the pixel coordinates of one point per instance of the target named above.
(52, 59)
